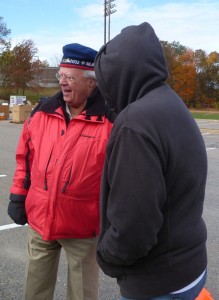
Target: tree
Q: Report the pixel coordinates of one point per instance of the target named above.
(213, 76)
(207, 78)
(181, 69)
(184, 76)
(25, 65)
(172, 52)
(193, 75)
(20, 67)
(6, 70)
(4, 32)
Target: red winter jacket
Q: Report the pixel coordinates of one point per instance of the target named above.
(59, 165)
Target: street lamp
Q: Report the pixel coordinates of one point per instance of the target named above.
(108, 10)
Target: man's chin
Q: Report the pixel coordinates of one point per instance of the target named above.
(67, 100)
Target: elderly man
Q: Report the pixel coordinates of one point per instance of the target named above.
(56, 184)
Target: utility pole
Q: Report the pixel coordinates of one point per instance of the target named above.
(104, 22)
(108, 10)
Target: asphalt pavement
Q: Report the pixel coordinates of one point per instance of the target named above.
(13, 239)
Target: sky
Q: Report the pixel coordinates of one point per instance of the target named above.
(51, 24)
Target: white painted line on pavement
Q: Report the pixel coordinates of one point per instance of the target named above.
(10, 226)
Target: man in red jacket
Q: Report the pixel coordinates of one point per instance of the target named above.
(56, 184)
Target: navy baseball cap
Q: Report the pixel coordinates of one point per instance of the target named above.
(78, 56)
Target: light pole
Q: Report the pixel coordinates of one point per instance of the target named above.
(108, 10)
(104, 22)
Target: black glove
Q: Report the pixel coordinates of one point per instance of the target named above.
(16, 210)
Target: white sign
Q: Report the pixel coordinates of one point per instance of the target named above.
(17, 100)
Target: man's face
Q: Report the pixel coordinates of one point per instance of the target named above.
(75, 88)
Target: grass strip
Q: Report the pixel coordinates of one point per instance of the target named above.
(206, 115)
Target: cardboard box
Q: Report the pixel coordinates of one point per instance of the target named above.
(4, 112)
(21, 112)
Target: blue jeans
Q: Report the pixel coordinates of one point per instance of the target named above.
(187, 295)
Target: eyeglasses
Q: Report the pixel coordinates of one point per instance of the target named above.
(63, 76)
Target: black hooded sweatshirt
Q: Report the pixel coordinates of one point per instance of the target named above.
(153, 186)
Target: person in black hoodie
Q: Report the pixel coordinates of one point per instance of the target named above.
(153, 237)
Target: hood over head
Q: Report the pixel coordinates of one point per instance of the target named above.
(130, 65)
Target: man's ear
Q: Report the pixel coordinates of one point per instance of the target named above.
(92, 83)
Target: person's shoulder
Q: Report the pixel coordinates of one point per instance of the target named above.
(101, 107)
(42, 99)
(47, 103)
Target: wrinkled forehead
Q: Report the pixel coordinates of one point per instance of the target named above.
(70, 71)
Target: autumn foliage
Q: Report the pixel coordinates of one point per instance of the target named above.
(194, 75)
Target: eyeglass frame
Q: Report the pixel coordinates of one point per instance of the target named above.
(86, 74)
(65, 77)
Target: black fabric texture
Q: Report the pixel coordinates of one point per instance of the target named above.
(153, 236)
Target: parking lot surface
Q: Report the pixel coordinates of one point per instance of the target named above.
(13, 239)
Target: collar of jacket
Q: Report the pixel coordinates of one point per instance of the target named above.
(95, 106)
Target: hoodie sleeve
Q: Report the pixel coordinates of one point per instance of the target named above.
(131, 210)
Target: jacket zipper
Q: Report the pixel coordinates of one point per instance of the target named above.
(45, 187)
(67, 182)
